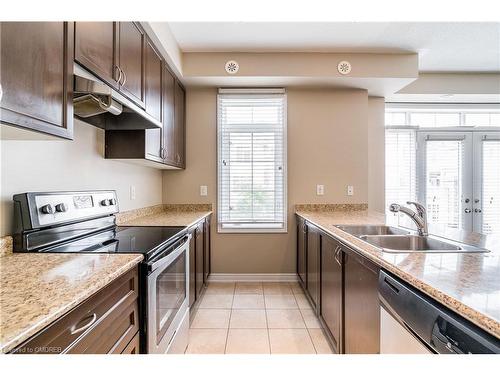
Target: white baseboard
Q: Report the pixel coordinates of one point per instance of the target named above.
(269, 277)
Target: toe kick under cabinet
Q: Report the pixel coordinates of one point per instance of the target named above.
(105, 323)
(342, 288)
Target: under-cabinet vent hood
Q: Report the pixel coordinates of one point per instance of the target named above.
(98, 104)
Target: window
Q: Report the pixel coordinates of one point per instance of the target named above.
(251, 136)
(400, 184)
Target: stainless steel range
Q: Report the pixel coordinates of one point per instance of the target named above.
(85, 222)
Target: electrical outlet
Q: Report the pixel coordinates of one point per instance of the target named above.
(350, 190)
(203, 190)
(320, 189)
(132, 192)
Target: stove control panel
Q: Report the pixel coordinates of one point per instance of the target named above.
(39, 210)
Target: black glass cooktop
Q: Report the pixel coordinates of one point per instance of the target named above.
(142, 240)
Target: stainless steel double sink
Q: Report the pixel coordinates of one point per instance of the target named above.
(398, 240)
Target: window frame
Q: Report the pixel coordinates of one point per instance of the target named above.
(256, 227)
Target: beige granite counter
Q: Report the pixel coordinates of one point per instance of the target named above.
(469, 284)
(165, 215)
(36, 289)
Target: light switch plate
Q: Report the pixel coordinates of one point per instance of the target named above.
(203, 190)
(132, 192)
(350, 190)
(320, 189)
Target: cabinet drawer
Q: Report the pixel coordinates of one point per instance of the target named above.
(133, 346)
(103, 323)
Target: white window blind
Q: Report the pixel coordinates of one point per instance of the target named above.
(443, 182)
(491, 187)
(252, 160)
(400, 170)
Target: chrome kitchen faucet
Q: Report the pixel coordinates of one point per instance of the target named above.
(419, 217)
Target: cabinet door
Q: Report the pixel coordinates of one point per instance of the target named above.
(192, 268)
(361, 305)
(206, 250)
(331, 289)
(313, 249)
(95, 49)
(130, 51)
(152, 81)
(199, 259)
(301, 250)
(37, 76)
(168, 117)
(179, 125)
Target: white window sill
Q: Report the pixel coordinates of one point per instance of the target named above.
(252, 229)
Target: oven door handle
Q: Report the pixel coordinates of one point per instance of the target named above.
(163, 261)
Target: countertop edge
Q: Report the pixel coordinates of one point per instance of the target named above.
(32, 330)
(485, 322)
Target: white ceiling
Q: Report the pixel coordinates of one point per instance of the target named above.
(442, 46)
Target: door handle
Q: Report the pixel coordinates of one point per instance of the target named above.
(124, 77)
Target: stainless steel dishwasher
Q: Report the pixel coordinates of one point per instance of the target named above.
(411, 322)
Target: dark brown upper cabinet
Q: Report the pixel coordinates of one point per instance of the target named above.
(95, 50)
(130, 60)
(179, 125)
(37, 77)
(153, 81)
(115, 53)
(168, 134)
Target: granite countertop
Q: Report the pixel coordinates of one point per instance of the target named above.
(468, 284)
(36, 289)
(184, 215)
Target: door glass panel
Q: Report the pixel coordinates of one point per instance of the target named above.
(170, 294)
(443, 182)
(491, 187)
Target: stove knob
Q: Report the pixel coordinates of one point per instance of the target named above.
(105, 202)
(47, 209)
(61, 207)
(112, 201)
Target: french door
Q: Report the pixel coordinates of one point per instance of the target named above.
(458, 179)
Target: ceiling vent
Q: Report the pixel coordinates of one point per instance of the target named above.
(232, 67)
(344, 67)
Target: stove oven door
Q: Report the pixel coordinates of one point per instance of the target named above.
(168, 299)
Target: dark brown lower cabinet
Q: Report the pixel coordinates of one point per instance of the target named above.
(106, 322)
(342, 286)
(301, 250)
(192, 268)
(199, 259)
(313, 265)
(361, 305)
(206, 250)
(199, 245)
(331, 290)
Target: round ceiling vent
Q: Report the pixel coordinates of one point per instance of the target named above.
(344, 67)
(232, 67)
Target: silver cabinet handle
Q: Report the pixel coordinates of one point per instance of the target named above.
(119, 74)
(83, 328)
(338, 252)
(467, 210)
(124, 77)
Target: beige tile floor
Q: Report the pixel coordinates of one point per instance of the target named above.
(255, 318)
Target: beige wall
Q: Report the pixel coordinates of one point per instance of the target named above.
(51, 165)
(327, 144)
(376, 154)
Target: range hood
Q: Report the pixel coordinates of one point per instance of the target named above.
(100, 105)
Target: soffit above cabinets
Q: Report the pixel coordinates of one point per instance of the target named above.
(379, 74)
